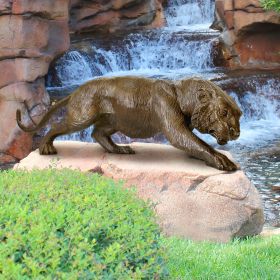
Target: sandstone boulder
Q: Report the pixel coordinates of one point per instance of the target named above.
(190, 199)
(250, 36)
(87, 16)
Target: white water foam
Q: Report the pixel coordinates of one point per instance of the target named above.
(261, 108)
(75, 68)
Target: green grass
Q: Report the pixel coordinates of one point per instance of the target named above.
(253, 259)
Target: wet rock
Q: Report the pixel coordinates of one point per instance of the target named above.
(110, 16)
(250, 35)
(190, 198)
(32, 33)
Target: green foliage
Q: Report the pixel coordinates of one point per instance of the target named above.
(70, 225)
(271, 5)
(253, 259)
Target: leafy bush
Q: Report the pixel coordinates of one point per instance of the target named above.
(271, 5)
(70, 225)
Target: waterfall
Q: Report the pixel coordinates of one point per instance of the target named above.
(164, 53)
(263, 103)
(156, 55)
(75, 68)
(200, 13)
(261, 113)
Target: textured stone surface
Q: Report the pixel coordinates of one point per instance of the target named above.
(33, 100)
(111, 15)
(191, 199)
(22, 70)
(32, 33)
(32, 36)
(250, 36)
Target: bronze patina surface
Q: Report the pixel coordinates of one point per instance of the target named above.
(141, 107)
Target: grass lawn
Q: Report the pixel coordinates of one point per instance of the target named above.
(254, 258)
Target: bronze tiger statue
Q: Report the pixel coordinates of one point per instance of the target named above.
(141, 107)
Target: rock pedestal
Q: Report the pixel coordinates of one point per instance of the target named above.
(250, 35)
(190, 198)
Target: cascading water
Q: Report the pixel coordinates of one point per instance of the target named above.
(189, 14)
(81, 64)
(180, 50)
(166, 53)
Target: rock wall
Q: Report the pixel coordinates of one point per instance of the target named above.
(113, 15)
(32, 33)
(250, 36)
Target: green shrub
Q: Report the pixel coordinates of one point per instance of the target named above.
(271, 5)
(70, 225)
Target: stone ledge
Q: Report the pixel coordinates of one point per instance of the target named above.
(190, 198)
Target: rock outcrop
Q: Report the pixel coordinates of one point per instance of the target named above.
(190, 199)
(250, 36)
(32, 33)
(110, 16)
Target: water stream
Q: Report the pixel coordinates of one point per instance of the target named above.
(184, 49)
